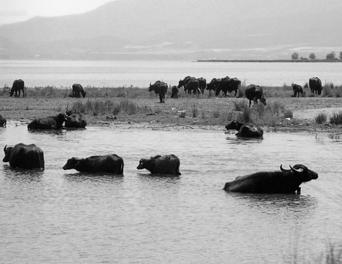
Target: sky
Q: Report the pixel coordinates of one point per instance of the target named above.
(19, 10)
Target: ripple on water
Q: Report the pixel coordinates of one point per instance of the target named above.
(55, 214)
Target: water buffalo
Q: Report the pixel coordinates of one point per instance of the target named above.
(94, 164)
(17, 87)
(174, 92)
(297, 90)
(213, 85)
(254, 93)
(167, 164)
(315, 85)
(75, 121)
(2, 121)
(202, 82)
(245, 130)
(77, 91)
(192, 84)
(228, 85)
(51, 122)
(24, 156)
(283, 181)
(159, 88)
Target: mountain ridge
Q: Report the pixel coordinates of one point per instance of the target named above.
(195, 28)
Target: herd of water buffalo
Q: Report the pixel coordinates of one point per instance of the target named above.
(283, 181)
(21, 156)
(197, 86)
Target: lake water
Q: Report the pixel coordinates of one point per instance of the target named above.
(141, 73)
(64, 217)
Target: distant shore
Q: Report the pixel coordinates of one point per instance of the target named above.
(272, 61)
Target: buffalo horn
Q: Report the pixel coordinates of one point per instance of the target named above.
(5, 148)
(295, 170)
(282, 169)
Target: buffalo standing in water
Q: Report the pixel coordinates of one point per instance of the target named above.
(75, 121)
(159, 88)
(283, 181)
(51, 122)
(95, 164)
(254, 93)
(2, 121)
(315, 85)
(17, 87)
(24, 156)
(167, 164)
(297, 90)
(77, 91)
(245, 130)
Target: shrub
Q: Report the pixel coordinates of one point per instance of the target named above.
(288, 114)
(336, 118)
(216, 114)
(240, 105)
(194, 110)
(321, 118)
(328, 90)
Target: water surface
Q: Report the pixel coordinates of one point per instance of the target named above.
(60, 216)
(141, 73)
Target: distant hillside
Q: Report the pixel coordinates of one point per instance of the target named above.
(179, 29)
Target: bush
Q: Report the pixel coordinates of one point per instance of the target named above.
(321, 118)
(240, 105)
(336, 118)
(194, 110)
(288, 114)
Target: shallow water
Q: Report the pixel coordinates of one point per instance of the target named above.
(60, 216)
(141, 73)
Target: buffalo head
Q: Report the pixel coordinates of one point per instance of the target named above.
(263, 100)
(7, 151)
(234, 125)
(302, 171)
(71, 163)
(142, 164)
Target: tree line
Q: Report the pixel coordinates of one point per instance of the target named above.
(331, 56)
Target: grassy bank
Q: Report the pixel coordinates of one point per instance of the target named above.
(278, 113)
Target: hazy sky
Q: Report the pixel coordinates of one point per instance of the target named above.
(18, 10)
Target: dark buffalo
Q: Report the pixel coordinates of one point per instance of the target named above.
(51, 122)
(213, 85)
(245, 130)
(315, 85)
(75, 121)
(182, 83)
(202, 82)
(192, 84)
(254, 93)
(174, 92)
(283, 181)
(24, 156)
(17, 87)
(77, 91)
(297, 90)
(228, 85)
(167, 164)
(94, 164)
(159, 88)
(2, 121)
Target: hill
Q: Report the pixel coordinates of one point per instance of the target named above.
(179, 29)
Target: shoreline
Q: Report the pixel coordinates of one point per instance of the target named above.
(184, 113)
(269, 61)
